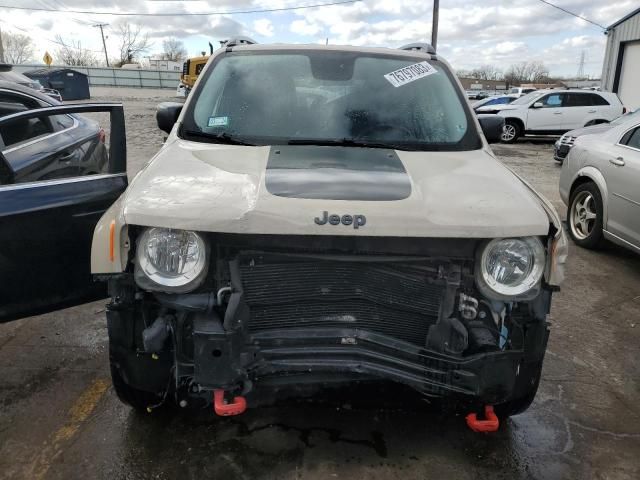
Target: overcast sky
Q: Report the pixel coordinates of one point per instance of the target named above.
(472, 32)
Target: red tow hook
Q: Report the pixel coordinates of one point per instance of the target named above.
(224, 409)
(491, 424)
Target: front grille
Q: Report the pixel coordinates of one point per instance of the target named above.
(567, 140)
(562, 151)
(392, 299)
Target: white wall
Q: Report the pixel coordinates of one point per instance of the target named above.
(629, 88)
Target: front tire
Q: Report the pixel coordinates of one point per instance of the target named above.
(140, 380)
(511, 132)
(584, 216)
(139, 400)
(516, 406)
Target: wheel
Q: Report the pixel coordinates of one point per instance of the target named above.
(511, 132)
(595, 122)
(584, 216)
(138, 399)
(140, 380)
(516, 406)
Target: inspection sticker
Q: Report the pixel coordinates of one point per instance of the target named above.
(409, 74)
(218, 121)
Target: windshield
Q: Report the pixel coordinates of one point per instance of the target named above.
(525, 99)
(267, 98)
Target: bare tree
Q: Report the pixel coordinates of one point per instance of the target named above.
(523, 72)
(71, 53)
(132, 42)
(487, 72)
(173, 50)
(538, 73)
(17, 48)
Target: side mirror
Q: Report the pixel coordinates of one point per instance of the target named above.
(492, 126)
(537, 105)
(167, 114)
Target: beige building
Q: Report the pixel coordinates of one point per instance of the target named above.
(475, 84)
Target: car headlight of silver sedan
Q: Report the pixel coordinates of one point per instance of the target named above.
(510, 268)
(170, 260)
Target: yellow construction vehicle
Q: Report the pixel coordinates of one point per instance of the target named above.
(193, 66)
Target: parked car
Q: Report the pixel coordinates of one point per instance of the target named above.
(493, 100)
(77, 142)
(477, 94)
(554, 112)
(520, 91)
(54, 186)
(347, 238)
(565, 142)
(8, 75)
(600, 182)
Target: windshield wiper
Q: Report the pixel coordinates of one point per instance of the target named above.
(224, 138)
(346, 142)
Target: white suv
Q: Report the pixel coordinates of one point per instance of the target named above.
(520, 91)
(320, 214)
(545, 112)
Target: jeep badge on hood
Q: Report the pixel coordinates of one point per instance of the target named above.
(356, 220)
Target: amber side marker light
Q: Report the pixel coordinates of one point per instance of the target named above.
(112, 238)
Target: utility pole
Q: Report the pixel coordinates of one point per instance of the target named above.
(580, 74)
(100, 26)
(434, 25)
(1, 48)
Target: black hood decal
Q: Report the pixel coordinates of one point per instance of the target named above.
(336, 173)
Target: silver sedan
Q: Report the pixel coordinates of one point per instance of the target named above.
(600, 184)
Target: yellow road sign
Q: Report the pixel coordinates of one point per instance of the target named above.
(47, 59)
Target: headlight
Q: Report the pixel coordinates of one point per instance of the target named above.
(510, 268)
(170, 260)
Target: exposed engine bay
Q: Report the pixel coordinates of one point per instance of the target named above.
(283, 311)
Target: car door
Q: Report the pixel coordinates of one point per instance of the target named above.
(546, 113)
(46, 224)
(578, 110)
(622, 173)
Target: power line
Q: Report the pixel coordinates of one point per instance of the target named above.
(573, 14)
(48, 39)
(182, 14)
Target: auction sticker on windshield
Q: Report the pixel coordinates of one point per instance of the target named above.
(218, 122)
(409, 74)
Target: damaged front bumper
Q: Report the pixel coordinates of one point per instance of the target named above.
(257, 336)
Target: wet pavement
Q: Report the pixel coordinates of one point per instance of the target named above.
(60, 419)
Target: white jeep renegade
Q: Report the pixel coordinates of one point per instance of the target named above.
(322, 215)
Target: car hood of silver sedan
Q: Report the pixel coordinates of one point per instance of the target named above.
(590, 130)
(242, 189)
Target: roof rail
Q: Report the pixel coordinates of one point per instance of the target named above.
(235, 41)
(421, 47)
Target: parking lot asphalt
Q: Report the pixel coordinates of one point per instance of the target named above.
(60, 419)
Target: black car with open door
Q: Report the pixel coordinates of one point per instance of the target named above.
(56, 181)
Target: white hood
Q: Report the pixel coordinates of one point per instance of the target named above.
(221, 188)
